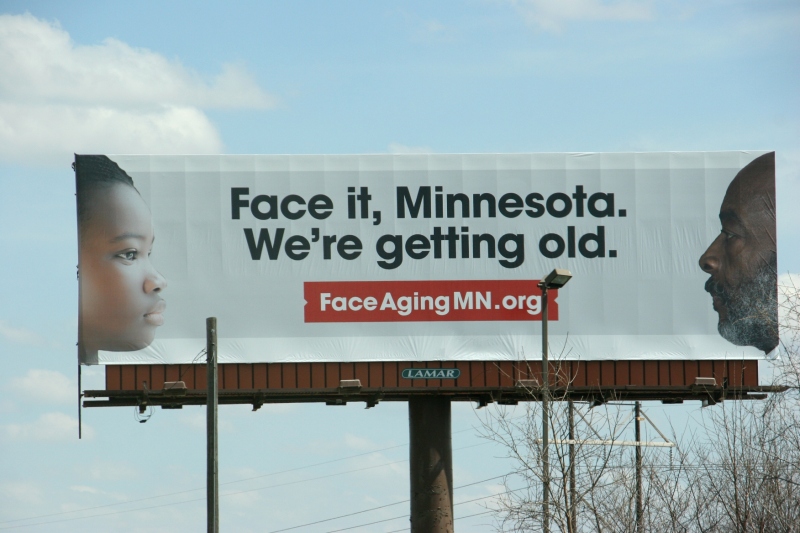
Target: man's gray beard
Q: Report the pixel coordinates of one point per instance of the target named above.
(752, 312)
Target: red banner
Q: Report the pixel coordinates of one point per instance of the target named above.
(426, 301)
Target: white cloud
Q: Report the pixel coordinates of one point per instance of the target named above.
(55, 132)
(45, 386)
(196, 420)
(21, 492)
(355, 442)
(48, 427)
(58, 97)
(112, 471)
(397, 148)
(787, 168)
(20, 335)
(551, 15)
(84, 489)
(245, 500)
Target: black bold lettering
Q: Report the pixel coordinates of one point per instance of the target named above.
(418, 247)
(477, 239)
(554, 238)
(514, 257)
(297, 247)
(423, 202)
(536, 209)
(392, 258)
(451, 204)
(264, 240)
(327, 242)
(598, 238)
(490, 202)
(236, 202)
(272, 203)
(579, 197)
(608, 199)
(551, 205)
(510, 205)
(320, 207)
(288, 213)
(349, 247)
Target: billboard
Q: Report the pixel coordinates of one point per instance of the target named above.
(313, 258)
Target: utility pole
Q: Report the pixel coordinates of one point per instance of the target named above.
(573, 513)
(639, 508)
(212, 455)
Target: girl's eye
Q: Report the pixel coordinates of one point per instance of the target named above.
(128, 255)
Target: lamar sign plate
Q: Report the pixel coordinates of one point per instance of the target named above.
(431, 373)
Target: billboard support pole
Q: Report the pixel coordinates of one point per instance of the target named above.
(431, 464)
(212, 455)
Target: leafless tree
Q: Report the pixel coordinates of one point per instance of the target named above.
(573, 499)
(737, 470)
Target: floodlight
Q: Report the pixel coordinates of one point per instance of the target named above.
(557, 278)
(349, 384)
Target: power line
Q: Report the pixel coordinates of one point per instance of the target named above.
(203, 499)
(375, 508)
(228, 483)
(203, 488)
(226, 494)
(242, 480)
(457, 518)
(406, 516)
(221, 495)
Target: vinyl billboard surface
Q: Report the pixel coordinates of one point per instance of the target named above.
(426, 257)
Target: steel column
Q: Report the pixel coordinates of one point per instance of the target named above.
(431, 468)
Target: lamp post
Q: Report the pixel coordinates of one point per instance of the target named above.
(554, 280)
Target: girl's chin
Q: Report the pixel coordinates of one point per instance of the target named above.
(127, 345)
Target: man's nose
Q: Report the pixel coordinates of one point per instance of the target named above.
(710, 260)
(154, 282)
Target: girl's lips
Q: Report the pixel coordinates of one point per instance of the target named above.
(155, 316)
(154, 319)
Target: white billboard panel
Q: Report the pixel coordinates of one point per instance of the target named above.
(426, 257)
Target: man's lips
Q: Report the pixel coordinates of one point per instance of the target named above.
(155, 316)
(717, 295)
(713, 288)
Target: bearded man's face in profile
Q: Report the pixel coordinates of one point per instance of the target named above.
(742, 260)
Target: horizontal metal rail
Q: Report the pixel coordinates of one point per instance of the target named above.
(597, 442)
(482, 395)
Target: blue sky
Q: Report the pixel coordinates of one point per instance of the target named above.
(315, 77)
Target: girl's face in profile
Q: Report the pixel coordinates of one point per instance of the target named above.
(121, 303)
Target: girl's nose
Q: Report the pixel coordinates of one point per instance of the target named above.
(154, 282)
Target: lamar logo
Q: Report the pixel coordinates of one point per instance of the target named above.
(431, 373)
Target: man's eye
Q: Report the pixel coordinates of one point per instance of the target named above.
(128, 255)
(728, 235)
